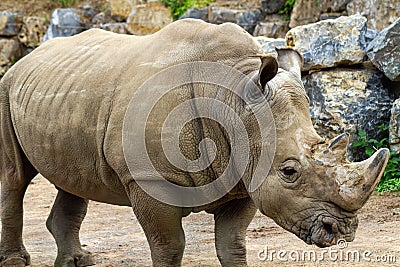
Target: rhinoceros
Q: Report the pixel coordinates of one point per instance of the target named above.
(63, 115)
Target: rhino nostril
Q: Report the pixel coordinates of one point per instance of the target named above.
(328, 229)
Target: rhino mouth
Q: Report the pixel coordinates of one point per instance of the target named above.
(325, 230)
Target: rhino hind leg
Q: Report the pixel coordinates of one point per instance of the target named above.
(16, 172)
(64, 223)
(12, 249)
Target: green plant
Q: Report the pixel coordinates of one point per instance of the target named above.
(390, 181)
(179, 7)
(287, 9)
(66, 3)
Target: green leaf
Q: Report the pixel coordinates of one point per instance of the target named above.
(369, 151)
(362, 133)
(359, 143)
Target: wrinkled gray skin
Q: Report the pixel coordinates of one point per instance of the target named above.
(62, 109)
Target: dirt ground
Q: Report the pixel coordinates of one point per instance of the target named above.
(113, 234)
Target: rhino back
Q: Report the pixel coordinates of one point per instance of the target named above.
(69, 97)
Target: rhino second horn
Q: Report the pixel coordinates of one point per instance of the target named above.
(356, 181)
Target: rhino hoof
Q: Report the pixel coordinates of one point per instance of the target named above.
(15, 261)
(85, 260)
(82, 259)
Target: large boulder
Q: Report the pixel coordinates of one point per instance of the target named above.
(272, 6)
(69, 21)
(10, 23)
(120, 9)
(331, 42)
(309, 11)
(247, 19)
(10, 52)
(348, 100)
(394, 127)
(269, 45)
(272, 26)
(384, 51)
(380, 13)
(196, 13)
(148, 18)
(32, 31)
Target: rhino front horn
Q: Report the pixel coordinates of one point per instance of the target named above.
(356, 181)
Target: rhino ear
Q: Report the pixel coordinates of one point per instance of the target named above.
(290, 60)
(268, 69)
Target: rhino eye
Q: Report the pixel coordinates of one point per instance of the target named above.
(290, 170)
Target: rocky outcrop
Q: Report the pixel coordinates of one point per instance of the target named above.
(148, 18)
(347, 100)
(330, 43)
(380, 13)
(10, 52)
(384, 51)
(10, 23)
(394, 127)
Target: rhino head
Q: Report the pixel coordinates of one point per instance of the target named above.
(312, 190)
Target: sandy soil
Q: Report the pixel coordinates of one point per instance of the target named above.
(113, 234)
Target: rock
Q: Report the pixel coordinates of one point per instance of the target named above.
(10, 23)
(272, 26)
(102, 18)
(118, 27)
(69, 21)
(148, 18)
(380, 13)
(394, 127)
(120, 9)
(384, 51)
(330, 43)
(304, 12)
(325, 16)
(248, 19)
(309, 11)
(272, 6)
(32, 31)
(10, 52)
(348, 100)
(196, 13)
(269, 44)
(221, 15)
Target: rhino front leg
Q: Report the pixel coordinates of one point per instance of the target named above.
(64, 223)
(162, 225)
(231, 222)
